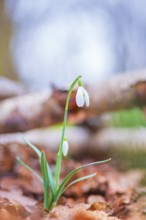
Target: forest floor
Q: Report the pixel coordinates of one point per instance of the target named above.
(110, 195)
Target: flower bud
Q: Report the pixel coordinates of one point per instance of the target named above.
(65, 147)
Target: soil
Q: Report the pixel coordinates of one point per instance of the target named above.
(110, 195)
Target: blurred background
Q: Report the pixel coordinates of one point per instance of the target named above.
(50, 42)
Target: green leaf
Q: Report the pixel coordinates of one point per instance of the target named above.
(46, 184)
(72, 173)
(44, 168)
(39, 153)
(51, 179)
(33, 147)
(30, 169)
(78, 180)
(47, 174)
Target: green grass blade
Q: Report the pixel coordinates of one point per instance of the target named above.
(78, 180)
(72, 173)
(30, 169)
(33, 147)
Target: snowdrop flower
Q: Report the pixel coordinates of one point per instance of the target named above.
(65, 147)
(82, 97)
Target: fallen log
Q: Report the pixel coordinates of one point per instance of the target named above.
(123, 91)
(113, 138)
(107, 139)
(44, 108)
(78, 138)
(10, 88)
(123, 144)
(29, 111)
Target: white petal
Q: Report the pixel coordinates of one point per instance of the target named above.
(65, 148)
(86, 97)
(80, 97)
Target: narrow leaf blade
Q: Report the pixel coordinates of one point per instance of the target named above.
(33, 147)
(39, 153)
(78, 180)
(30, 169)
(72, 173)
(51, 179)
(45, 180)
(44, 169)
(48, 173)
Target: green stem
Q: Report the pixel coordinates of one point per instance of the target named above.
(59, 155)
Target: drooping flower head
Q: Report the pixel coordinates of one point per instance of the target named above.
(82, 96)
